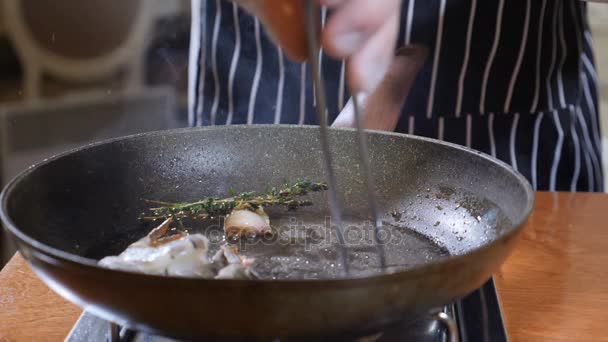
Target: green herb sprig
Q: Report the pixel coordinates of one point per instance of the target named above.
(286, 196)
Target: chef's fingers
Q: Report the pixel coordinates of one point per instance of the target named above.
(353, 23)
(381, 110)
(284, 21)
(351, 27)
(367, 67)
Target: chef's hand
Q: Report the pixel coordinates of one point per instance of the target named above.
(364, 33)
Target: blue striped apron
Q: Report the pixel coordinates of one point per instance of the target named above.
(511, 78)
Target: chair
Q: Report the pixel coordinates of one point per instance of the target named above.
(79, 41)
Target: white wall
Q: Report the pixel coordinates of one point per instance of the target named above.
(598, 16)
(172, 6)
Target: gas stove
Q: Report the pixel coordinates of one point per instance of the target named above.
(474, 318)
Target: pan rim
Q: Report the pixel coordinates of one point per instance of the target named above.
(67, 257)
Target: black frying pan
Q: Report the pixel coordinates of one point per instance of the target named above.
(70, 210)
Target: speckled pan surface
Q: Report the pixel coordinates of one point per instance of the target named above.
(62, 210)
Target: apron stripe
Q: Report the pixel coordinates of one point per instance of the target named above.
(590, 68)
(539, 53)
(558, 151)
(591, 97)
(408, 22)
(234, 63)
(536, 138)
(441, 128)
(216, 76)
(194, 61)
(564, 55)
(491, 135)
(341, 86)
(589, 165)
(592, 111)
(486, 76)
(411, 125)
(279, 105)
(577, 150)
(589, 38)
(302, 94)
(467, 54)
(438, 45)
(553, 59)
(595, 159)
(520, 57)
(257, 75)
(579, 44)
(512, 141)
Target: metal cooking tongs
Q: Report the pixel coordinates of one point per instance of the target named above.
(312, 15)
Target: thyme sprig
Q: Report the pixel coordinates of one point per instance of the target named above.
(286, 196)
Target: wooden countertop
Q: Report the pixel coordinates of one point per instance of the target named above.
(553, 288)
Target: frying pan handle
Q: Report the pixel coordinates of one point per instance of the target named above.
(450, 325)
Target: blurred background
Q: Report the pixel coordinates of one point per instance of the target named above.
(598, 16)
(74, 72)
(78, 71)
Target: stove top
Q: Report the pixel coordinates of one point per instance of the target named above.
(475, 318)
